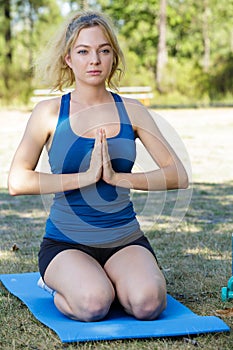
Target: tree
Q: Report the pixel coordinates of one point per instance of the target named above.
(77, 4)
(23, 23)
(206, 38)
(84, 4)
(136, 23)
(181, 48)
(162, 49)
(5, 5)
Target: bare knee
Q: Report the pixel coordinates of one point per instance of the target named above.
(148, 306)
(94, 308)
(90, 307)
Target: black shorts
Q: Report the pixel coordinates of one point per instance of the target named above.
(50, 248)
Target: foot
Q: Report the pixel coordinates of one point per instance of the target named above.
(44, 286)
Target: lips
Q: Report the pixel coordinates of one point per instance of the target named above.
(94, 72)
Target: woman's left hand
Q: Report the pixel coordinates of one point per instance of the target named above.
(109, 174)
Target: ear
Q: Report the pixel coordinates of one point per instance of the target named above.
(68, 60)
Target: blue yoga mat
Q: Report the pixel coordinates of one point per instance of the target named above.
(176, 320)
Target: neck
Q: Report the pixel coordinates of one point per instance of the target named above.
(90, 96)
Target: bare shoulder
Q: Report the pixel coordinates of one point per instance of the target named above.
(139, 115)
(46, 112)
(48, 107)
(42, 122)
(131, 101)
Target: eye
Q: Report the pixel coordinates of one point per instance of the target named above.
(105, 51)
(82, 52)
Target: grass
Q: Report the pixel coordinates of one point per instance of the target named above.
(195, 255)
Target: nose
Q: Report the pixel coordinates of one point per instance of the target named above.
(95, 58)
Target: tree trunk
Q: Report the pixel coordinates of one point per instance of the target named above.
(206, 38)
(84, 5)
(31, 45)
(8, 44)
(162, 49)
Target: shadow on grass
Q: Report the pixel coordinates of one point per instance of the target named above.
(21, 230)
(196, 255)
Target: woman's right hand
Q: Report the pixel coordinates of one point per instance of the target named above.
(96, 163)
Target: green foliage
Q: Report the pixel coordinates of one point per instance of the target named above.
(136, 73)
(30, 24)
(185, 76)
(221, 81)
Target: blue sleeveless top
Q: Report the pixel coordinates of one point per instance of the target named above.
(99, 213)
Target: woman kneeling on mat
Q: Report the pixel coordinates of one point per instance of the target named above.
(93, 250)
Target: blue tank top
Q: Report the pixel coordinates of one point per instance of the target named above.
(100, 213)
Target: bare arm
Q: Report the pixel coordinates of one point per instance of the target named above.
(171, 173)
(23, 179)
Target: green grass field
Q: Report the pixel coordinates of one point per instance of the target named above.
(195, 254)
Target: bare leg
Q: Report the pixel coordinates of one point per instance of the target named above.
(83, 290)
(140, 285)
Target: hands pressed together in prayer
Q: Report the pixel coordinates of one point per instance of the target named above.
(100, 164)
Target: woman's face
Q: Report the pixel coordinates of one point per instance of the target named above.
(91, 57)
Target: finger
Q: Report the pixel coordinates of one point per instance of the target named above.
(98, 139)
(105, 145)
(103, 134)
(98, 135)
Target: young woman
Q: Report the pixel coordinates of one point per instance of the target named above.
(93, 250)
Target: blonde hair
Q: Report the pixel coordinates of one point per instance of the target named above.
(51, 66)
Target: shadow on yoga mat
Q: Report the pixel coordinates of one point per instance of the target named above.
(176, 320)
